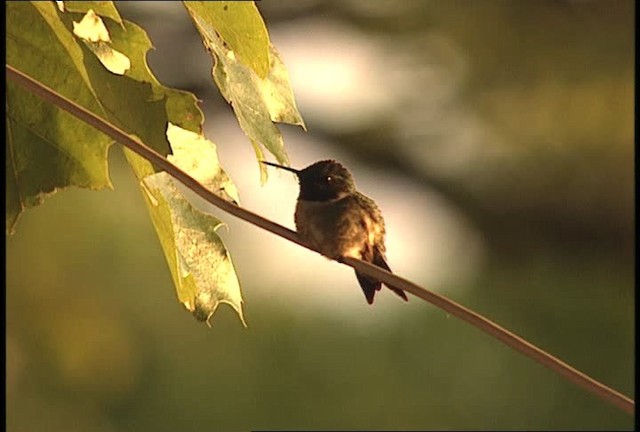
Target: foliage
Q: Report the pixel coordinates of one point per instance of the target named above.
(139, 363)
(87, 53)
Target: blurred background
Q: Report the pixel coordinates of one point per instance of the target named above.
(497, 138)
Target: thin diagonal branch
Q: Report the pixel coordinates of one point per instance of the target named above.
(606, 393)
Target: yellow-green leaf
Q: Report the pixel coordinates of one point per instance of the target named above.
(257, 102)
(48, 149)
(240, 25)
(101, 8)
(200, 265)
(94, 33)
(196, 155)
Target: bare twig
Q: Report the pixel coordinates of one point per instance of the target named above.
(606, 393)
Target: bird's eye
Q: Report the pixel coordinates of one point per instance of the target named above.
(328, 179)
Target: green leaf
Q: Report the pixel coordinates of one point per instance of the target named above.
(181, 106)
(257, 102)
(102, 8)
(47, 148)
(240, 25)
(200, 265)
(94, 33)
(197, 156)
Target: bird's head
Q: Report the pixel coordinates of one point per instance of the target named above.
(322, 181)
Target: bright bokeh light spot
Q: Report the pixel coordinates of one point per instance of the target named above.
(335, 72)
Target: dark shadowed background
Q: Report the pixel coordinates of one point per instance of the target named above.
(497, 138)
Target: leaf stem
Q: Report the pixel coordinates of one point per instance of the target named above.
(514, 341)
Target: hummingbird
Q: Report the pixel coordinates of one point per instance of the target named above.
(338, 221)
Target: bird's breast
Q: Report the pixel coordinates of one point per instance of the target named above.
(315, 223)
(338, 228)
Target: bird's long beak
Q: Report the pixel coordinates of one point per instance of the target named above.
(293, 170)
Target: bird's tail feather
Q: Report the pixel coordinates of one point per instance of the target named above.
(370, 286)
